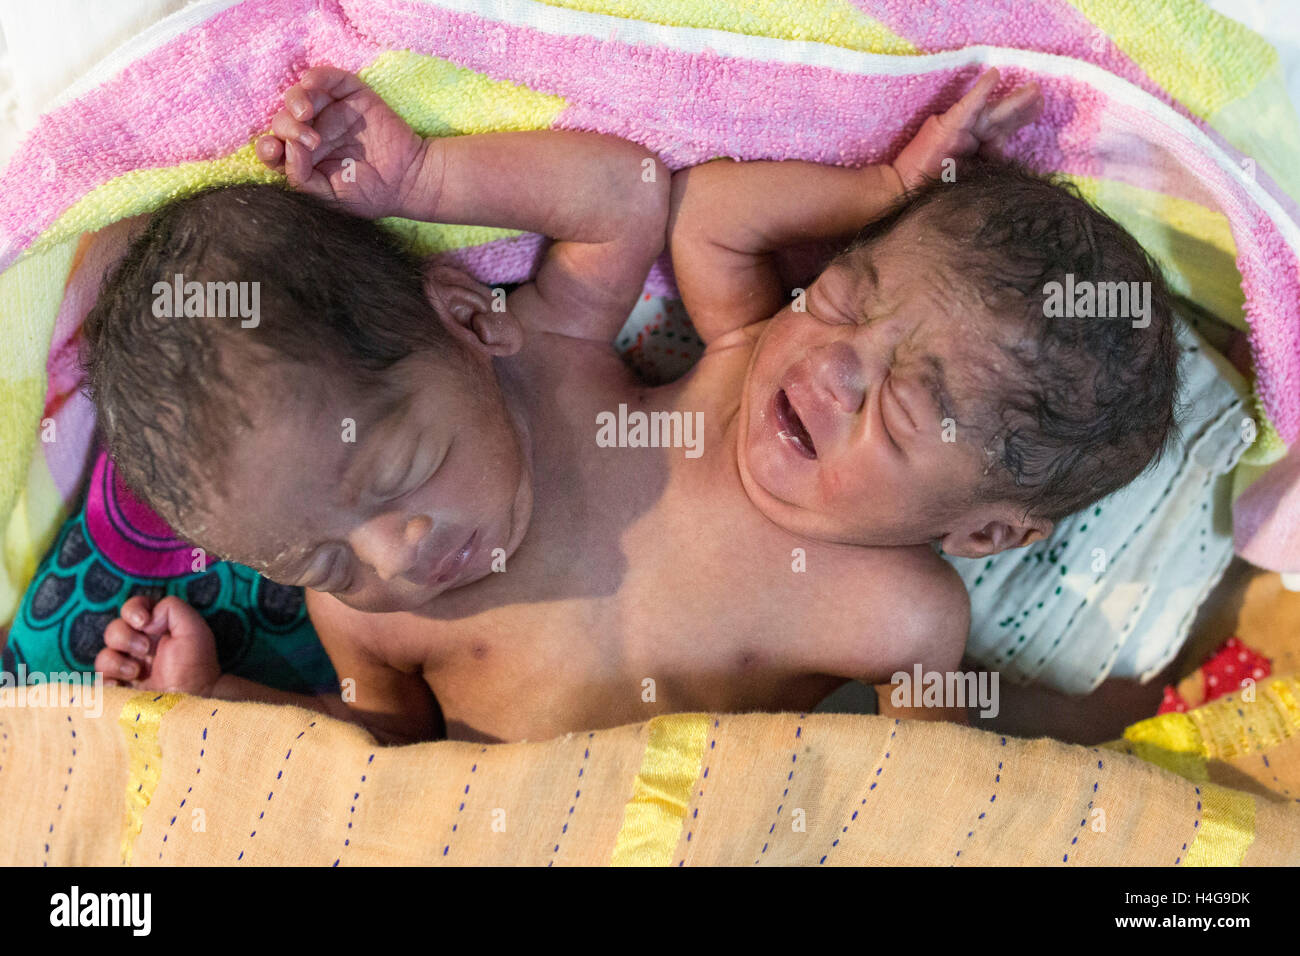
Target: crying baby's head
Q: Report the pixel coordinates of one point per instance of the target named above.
(991, 356)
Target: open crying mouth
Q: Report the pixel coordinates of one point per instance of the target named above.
(791, 429)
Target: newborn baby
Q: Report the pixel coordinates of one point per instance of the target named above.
(425, 446)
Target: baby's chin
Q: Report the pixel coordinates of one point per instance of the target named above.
(389, 602)
(817, 525)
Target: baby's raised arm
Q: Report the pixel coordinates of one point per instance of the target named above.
(604, 200)
(726, 219)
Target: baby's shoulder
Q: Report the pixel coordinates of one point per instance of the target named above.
(913, 606)
(399, 640)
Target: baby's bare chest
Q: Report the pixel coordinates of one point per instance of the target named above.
(523, 676)
(691, 611)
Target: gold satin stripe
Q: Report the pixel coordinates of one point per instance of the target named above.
(652, 821)
(1175, 742)
(1184, 743)
(1227, 828)
(1284, 695)
(1171, 741)
(1262, 724)
(140, 720)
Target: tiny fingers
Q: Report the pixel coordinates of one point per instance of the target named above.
(332, 81)
(136, 611)
(120, 636)
(297, 163)
(270, 150)
(305, 104)
(1020, 108)
(967, 109)
(117, 665)
(290, 130)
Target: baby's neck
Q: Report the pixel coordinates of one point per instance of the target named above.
(517, 406)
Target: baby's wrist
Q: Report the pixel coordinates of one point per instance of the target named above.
(222, 686)
(894, 179)
(420, 189)
(882, 186)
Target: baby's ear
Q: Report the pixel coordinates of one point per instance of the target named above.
(994, 536)
(473, 313)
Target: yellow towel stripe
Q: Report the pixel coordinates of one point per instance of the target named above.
(661, 792)
(439, 98)
(140, 719)
(836, 22)
(31, 291)
(1202, 58)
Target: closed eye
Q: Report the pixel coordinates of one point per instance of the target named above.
(884, 424)
(900, 404)
(422, 468)
(331, 571)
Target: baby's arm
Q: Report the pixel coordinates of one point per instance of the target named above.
(604, 200)
(588, 192)
(727, 219)
(911, 609)
(169, 647)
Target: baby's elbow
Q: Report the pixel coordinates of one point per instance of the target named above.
(652, 197)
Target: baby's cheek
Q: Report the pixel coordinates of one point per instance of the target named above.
(830, 485)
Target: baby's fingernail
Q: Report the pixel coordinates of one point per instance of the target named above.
(309, 139)
(136, 619)
(128, 669)
(139, 646)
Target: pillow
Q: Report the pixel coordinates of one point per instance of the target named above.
(115, 547)
(1113, 591)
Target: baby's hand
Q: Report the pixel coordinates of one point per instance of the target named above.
(166, 647)
(337, 139)
(972, 125)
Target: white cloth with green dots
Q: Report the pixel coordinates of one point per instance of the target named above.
(1113, 591)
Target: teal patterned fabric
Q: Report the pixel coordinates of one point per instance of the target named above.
(261, 628)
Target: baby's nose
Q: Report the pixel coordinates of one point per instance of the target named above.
(416, 528)
(838, 368)
(391, 543)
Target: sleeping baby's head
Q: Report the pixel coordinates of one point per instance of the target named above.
(960, 374)
(342, 427)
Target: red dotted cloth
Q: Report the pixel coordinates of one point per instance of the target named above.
(1222, 674)
(658, 340)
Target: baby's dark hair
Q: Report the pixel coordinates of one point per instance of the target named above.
(337, 295)
(1091, 402)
